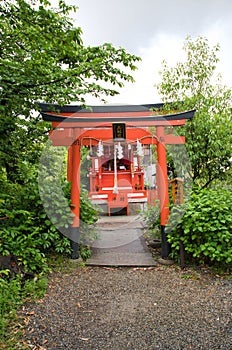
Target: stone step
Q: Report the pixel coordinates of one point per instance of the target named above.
(121, 259)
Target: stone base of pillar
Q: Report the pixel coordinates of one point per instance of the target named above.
(74, 239)
(165, 245)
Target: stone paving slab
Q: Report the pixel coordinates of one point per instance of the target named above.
(116, 238)
(120, 243)
(121, 259)
(119, 222)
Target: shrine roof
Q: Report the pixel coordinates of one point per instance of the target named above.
(46, 107)
(145, 114)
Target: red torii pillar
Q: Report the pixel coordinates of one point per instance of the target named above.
(75, 196)
(70, 137)
(162, 185)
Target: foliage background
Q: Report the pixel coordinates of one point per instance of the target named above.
(205, 227)
(43, 58)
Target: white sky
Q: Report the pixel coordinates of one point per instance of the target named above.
(155, 30)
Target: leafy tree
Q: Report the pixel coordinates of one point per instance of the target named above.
(205, 227)
(193, 84)
(42, 57)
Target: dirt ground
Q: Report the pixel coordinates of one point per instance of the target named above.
(131, 308)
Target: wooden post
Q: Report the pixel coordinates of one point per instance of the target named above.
(132, 169)
(162, 184)
(178, 198)
(115, 190)
(177, 190)
(69, 170)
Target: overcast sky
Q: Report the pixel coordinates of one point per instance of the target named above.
(156, 30)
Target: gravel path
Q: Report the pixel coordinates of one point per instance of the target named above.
(131, 308)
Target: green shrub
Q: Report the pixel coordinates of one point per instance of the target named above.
(27, 231)
(151, 218)
(32, 227)
(85, 252)
(10, 299)
(88, 216)
(206, 226)
(12, 295)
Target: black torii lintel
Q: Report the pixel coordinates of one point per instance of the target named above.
(56, 113)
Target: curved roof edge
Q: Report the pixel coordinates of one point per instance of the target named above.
(48, 107)
(49, 117)
(108, 113)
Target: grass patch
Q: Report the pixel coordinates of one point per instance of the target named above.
(13, 293)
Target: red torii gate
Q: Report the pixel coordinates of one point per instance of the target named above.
(71, 124)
